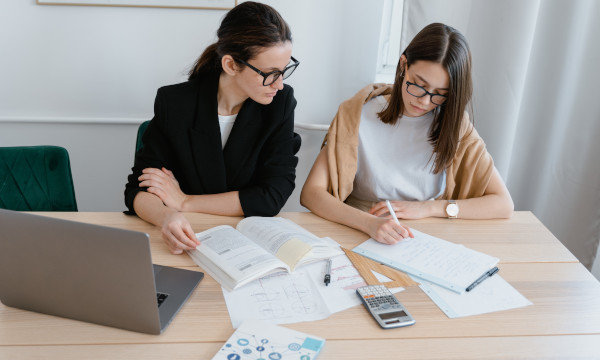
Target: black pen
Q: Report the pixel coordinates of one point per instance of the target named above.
(327, 273)
(483, 277)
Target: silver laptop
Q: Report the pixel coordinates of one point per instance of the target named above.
(88, 272)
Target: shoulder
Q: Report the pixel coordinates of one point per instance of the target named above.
(178, 90)
(470, 142)
(467, 133)
(284, 96)
(281, 109)
(366, 94)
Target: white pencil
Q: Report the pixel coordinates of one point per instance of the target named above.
(391, 210)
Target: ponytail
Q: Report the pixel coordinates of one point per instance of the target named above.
(244, 32)
(207, 62)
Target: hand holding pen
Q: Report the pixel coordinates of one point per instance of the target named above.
(392, 231)
(388, 231)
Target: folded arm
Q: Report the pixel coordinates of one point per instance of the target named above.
(496, 203)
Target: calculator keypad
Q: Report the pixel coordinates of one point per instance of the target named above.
(378, 296)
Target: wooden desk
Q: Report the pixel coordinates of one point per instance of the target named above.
(564, 321)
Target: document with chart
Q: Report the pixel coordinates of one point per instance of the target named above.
(285, 298)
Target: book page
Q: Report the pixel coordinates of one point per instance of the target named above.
(273, 234)
(235, 253)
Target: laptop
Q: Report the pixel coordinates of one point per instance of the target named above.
(88, 272)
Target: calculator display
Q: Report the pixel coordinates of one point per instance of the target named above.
(392, 315)
(384, 307)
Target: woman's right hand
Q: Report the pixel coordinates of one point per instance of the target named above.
(388, 231)
(177, 233)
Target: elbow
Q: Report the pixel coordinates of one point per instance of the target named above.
(306, 197)
(303, 196)
(264, 201)
(507, 209)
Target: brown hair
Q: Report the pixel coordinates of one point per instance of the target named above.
(444, 45)
(244, 31)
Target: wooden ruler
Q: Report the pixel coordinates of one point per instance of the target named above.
(364, 266)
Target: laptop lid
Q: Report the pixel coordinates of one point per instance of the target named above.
(85, 272)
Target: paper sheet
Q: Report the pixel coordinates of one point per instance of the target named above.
(301, 296)
(340, 294)
(444, 263)
(493, 294)
(255, 340)
(280, 298)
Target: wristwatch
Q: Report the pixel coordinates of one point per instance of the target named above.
(452, 209)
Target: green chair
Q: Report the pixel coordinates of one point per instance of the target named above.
(36, 178)
(141, 130)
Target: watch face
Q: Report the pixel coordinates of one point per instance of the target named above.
(452, 209)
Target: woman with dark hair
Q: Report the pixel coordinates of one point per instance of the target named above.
(223, 142)
(412, 143)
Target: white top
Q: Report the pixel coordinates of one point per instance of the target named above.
(394, 161)
(226, 124)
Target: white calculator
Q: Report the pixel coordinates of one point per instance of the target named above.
(384, 306)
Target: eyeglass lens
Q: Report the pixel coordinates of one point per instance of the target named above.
(416, 90)
(274, 76)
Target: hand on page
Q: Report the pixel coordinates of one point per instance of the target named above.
(177, 233)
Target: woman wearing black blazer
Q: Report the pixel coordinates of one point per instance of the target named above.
(223, 142)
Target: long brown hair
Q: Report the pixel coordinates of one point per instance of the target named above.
(446, 46)
(244, 31)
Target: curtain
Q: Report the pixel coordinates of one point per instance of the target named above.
(536, 103)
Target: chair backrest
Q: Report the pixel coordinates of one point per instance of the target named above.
(36, 178)
(141, 130)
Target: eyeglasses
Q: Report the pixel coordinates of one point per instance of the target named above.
(418, 91)
(271, 77)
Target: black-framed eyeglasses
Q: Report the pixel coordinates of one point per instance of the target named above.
(271, 77)
(418, 91)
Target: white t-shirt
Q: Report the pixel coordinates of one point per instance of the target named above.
(226, 124)
(394, 161)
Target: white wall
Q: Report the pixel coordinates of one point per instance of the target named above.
(98, 68)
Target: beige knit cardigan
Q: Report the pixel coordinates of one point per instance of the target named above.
(467, 176)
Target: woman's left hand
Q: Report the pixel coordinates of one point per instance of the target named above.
(162, 183)
(404, 209)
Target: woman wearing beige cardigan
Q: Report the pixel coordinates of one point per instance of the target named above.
(412, 143)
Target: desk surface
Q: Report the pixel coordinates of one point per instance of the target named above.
(564, 321)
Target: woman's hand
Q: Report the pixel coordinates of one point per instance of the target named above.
(162, 183)
(388, 231)
(177, 233)
(404, 209)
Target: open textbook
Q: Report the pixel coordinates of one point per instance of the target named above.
(256, 247)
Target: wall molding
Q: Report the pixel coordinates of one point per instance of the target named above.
(113, 121)
(69, 120)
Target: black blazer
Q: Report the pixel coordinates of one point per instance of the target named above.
(184, 136)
